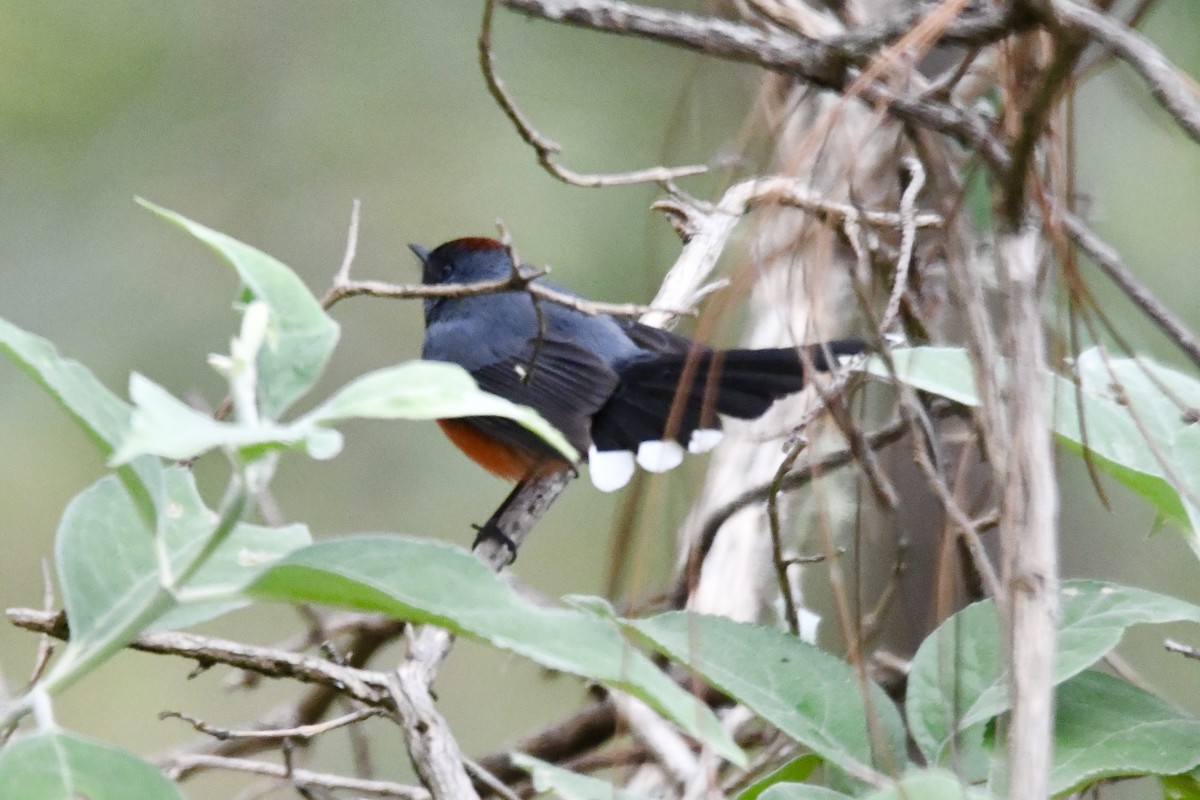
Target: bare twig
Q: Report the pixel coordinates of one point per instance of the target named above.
(494, 784)
(820, 61)
(908, 217)
(343, 273)
(365, 686)
(45, 649)
(1185, 650)
(183, 765)
(1110, 262)
(668, 747)
(546, 149)
(706, 231)
(890, 433)
(823, 63)
(585, 730)
(300, 732)
(1169, 86)
(525, 281)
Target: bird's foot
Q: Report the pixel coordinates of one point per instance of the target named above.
(489, 531)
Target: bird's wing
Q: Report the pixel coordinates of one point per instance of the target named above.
(563, 382)
(656, 340)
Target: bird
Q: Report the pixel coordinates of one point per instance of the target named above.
(619, 391)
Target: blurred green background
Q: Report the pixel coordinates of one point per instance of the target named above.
(264, 121)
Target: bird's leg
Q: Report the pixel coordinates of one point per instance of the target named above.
(490, 530)
(499, 538)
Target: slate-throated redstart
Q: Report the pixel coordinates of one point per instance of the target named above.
(614, 387)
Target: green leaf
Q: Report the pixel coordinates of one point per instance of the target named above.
(109, 574)
(807, 693)
(944, 371)
(432, 582)
(1094, 417)
(162, 425)
(101, 414)
(1155, 393)
(1185, 786)
(957, 679)
(429, 390)
(1105, 727)
(795, 771)
(58, 765)
(801, 791)
(567, 785)
(303, 335)
(1116, 440)
(930, 784)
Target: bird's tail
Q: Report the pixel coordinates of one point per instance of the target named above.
(671, 401)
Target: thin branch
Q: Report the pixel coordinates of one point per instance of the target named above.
(825, 63)
(584, 731)
(183, 765)
(366, 686)
(300, 732)
(1185, 650)
(1109, 260)
(908, 199)
(343, 273)
(818, 60)
(545, 148)
(367, 634)
(889, 434)
(706, 229)
(1166, 82)
(524, 281)
(670, 750)
(1043, 101)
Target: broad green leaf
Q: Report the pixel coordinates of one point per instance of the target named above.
(1185, 786)
(944, 371)
(807, 693)
(432, 582)
(957, 679)
(567, 785)
(1130, 431)
(1156, 393)
(165, 426)
(795, 771)
(1105, 727)
(801, 791)
(101, 414)
(303, 335)
(59, 765)
(109, 575)
(931, 784)
(1090, 415)
(429, 390)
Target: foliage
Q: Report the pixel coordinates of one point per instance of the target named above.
(141, 550)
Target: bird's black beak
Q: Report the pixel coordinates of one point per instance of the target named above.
(422, 252)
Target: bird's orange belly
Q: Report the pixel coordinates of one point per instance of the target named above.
(497, 457)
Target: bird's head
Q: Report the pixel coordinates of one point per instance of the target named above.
(463, 261)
